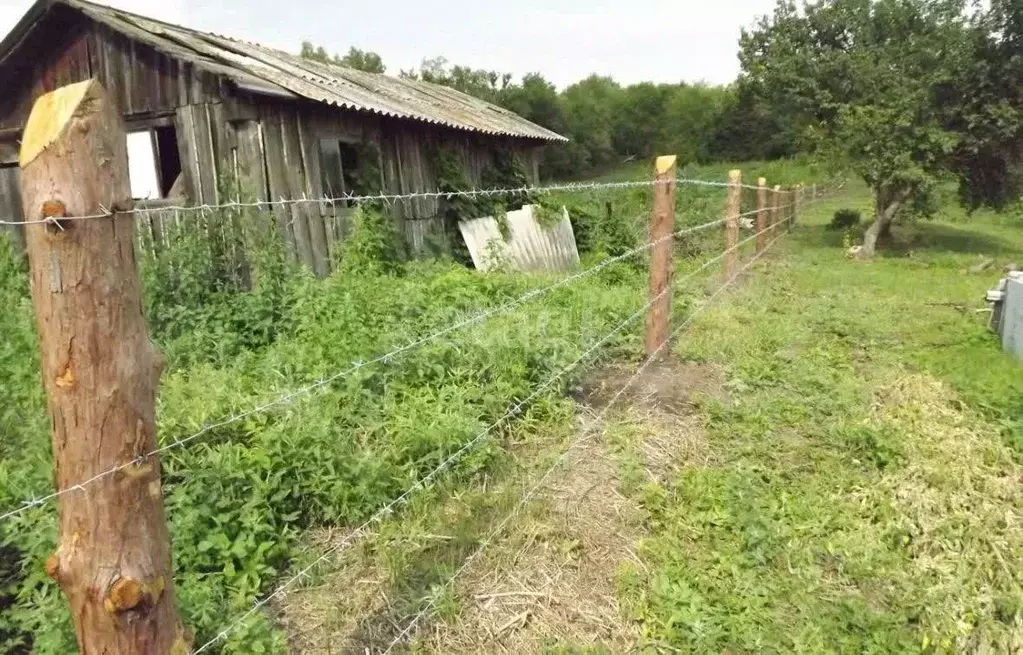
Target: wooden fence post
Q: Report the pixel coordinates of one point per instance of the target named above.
(796, 202)
(100, 372)
(732, 205)
(662, 226)
(775, 208)
(761, 214)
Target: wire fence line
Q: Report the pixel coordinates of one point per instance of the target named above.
(390, 199)
(304, 391)
(587, 435)
(292, 396)
(474, 319)
(421, 484)
(385, 511)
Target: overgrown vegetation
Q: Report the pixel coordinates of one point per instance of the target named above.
(508, 172)
(240, 498)
(808, 477)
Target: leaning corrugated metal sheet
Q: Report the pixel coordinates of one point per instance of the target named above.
(529, 246)
(264, 70)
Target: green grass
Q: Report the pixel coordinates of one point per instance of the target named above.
(829, 518)
(863, 494)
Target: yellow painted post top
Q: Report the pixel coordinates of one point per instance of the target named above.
(665, 163)
(761, 181)
(735, 176)
(50, 113)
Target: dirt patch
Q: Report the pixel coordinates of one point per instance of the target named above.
(551, 578)
(667, 385)
(328, 617)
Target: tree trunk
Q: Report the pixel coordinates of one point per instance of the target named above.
(100, 373)
(888, 202)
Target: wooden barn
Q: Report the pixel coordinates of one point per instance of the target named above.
(209, 116)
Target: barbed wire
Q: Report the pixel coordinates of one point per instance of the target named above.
(351, 199)
(478, 317)
(421, 484)
(584, 437)
(400, 500)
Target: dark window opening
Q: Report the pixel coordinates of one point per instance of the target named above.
(154, 163)
(339, 168)
(349, 168)
(167, 157)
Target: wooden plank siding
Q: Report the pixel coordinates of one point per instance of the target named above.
(10, 204)
(312, 188)
(276, 178)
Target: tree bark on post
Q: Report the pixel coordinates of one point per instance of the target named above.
(100, 373)
(775, 208)
(732, 204)
(662, 226)
(761, 214)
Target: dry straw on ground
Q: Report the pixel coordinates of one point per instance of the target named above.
(552, 577)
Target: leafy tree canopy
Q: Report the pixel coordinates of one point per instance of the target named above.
(362, 60)
(884, 86)
(988, 108)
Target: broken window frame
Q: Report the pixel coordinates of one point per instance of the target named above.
(165, 164)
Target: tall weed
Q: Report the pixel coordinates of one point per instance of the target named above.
(239, 498)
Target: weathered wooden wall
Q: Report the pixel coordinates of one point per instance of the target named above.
(269, 146)
(65, 47)
(10, 203)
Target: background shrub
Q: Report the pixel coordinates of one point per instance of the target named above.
(845, 219)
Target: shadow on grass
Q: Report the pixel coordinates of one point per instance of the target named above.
(945, 237)
(916, 237)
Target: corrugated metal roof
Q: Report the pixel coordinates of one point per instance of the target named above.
(264, 70)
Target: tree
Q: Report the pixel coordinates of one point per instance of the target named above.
(691, 118)
(638, 120)
(591, 108)
(860, 79)
(363, 60)
(986, 108)
(478, 82)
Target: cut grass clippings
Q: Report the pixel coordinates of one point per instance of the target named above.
(864, 494)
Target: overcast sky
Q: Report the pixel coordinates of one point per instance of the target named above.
(566, 40)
